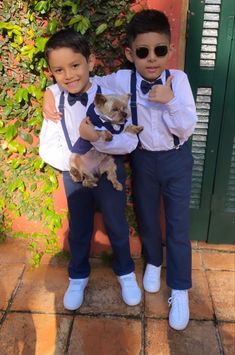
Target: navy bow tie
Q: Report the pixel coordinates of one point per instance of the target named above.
(146, 86)
(83, 98)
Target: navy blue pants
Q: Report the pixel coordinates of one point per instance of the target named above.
(82, 203)
(169, 174)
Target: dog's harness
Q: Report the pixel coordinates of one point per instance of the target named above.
(134, 108)
(82, 146)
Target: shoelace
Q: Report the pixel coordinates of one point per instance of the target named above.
(177, 297)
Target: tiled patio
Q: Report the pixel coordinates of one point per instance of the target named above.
(33, 320)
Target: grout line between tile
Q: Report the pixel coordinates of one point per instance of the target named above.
(10, 301)
(215, 320)
(69, 336)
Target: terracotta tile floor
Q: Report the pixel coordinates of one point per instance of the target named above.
(33, 320)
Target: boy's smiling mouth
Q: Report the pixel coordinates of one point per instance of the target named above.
(72, 84)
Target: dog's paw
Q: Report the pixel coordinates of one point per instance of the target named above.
(108, 137)
(134, 129)
(105, 135)
(89, 183)
(75, 175)
(118, 186)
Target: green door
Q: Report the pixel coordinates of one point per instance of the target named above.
(210, 65)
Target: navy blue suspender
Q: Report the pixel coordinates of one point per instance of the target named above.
(134, 106)
(61, 109)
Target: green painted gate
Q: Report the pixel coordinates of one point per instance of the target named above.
(210, 65)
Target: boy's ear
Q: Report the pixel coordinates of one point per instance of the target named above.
(128, 54)
(91, 62)
(49, 70)
(100, 100)
(171, 50)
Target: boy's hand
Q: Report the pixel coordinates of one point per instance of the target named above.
(162, 93)
(87, 130)
(48, 108)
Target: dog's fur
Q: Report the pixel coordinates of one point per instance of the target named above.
(87, 168)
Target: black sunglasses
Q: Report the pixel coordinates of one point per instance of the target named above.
(143, 52)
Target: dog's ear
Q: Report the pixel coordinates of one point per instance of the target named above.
(100, 100)
(126, 97)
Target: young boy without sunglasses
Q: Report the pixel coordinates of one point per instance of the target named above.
(70, 62)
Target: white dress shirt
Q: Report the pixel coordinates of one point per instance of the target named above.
(53, 147)
(160, 121)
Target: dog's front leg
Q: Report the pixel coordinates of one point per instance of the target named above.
(109, 167)
(105, 135)
(89, 181)
(134, 129)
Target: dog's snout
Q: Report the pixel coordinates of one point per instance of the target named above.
(124, 114)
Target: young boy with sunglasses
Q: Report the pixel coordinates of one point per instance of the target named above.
(70, 62)
(163, 103)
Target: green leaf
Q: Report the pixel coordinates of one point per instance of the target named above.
(74, 20)
(40, 43)
(15, 147)
(42, 6)
(28, 51)
(17, 184)
(73, 5)
(22, 94)
(101, 28)
(53, 179)
(38, 164)
(15, 163)
(52, 26)
(7, 110)
(118, 23)
(11, 132)
(26, 137)
(33, 187)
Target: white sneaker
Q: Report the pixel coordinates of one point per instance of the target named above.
(131, 292)
(179, 313)
(74, 295)
(152, 278)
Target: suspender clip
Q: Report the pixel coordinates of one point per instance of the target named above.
(133, 104)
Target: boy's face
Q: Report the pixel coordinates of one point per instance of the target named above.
(146, 45)
(70, 69)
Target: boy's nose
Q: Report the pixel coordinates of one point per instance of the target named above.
(152, 56)
(68, 74)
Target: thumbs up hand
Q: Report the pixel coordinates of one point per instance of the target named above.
(162, 93)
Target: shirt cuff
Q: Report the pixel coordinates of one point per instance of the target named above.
(173, 106)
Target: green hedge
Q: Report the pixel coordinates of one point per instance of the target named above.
(26, 183)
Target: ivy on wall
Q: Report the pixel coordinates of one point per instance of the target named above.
(26, 183)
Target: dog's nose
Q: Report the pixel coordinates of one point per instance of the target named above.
(124, 114)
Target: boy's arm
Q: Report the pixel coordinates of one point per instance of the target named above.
(87, 130)
(118, 82)
(51, 147)
(49, 109)
(122, 143)
(180, 115)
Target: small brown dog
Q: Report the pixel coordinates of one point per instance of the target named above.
(86, 163)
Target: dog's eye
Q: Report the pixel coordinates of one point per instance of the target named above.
(114, 109)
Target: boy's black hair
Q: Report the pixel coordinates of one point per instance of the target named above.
(67, 38)
(147, 21)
